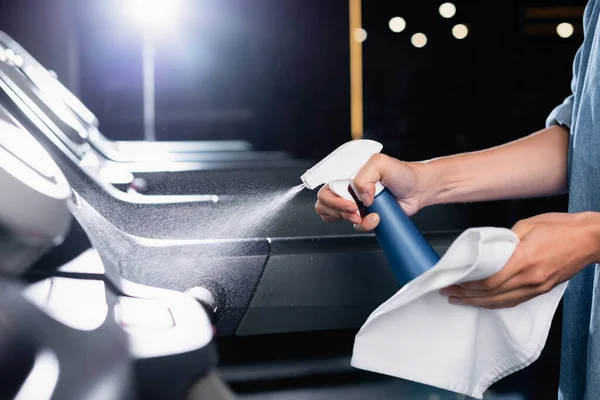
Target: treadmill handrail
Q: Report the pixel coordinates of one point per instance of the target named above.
(7, 75)
(42, 78)
(94, 175)
(181, 146)
(110, 153)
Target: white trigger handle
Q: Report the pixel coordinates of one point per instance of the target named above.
(340, 187)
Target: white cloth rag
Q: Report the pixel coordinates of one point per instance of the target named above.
(417, 335)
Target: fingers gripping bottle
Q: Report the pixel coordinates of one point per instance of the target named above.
(406, 250)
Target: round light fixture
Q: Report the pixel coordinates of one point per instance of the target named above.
(418, 40)
(397, 24)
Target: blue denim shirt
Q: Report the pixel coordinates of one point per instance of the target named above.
(580, 112)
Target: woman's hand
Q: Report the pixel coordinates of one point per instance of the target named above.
(407, 181)
(553, 248)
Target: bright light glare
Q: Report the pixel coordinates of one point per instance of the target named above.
(447, 10)
(564, 30)
(42, 378)
(18, 61)
(10, 54)
(397, 24)
(152, 15)
(460, 31)
(419, 40)
(360, 35)
(3, 57)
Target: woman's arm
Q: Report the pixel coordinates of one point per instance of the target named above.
(530, 167)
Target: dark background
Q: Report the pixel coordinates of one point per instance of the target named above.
(276, 73)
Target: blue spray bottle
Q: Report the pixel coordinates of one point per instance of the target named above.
(407, 251)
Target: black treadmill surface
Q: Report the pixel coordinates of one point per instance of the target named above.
(244, 216)
(261, 285)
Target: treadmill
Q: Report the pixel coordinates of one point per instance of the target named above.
(66, 335)
(44, 80)
(296, 274)
(73, 328)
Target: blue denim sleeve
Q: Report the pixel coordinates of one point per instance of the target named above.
(563, 114)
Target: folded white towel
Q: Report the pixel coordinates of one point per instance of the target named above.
(417, 335)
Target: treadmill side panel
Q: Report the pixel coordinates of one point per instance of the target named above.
(321, 291)
(323, 284)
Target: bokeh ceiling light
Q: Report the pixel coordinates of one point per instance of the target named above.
(447, 10)
(565, 30)
(460, 31)
(418, 40)
(397, 24)
(154, 15)
(360, 35)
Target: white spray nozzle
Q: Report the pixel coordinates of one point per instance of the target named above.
(342, 164)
